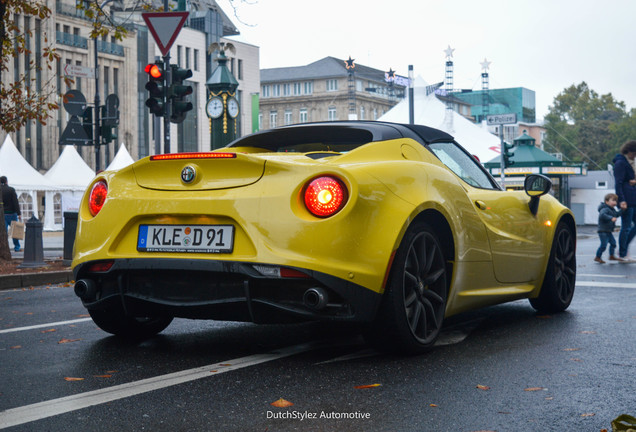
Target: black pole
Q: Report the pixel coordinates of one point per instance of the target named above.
(168, 72)
(97, 129)
(411, 102)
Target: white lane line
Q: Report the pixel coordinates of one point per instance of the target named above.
(59, 323)
(604, 276)
(606, 284)
(38, 411)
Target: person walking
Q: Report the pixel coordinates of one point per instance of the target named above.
(607, 217)
(11, 207)
(625, 182)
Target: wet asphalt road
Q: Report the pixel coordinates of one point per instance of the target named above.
(503, 368)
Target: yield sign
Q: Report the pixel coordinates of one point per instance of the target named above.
(165, 27)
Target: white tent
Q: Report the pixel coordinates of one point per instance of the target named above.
(28, 183)
(122, 159)
(430, 111)
(71, 174)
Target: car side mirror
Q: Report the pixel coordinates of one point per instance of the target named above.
(536, 185)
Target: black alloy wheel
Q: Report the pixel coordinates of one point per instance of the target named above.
(560, 277)
(414, 303)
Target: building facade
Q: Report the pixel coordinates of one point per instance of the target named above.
(324, 91)
(121, 72)
(70, 29)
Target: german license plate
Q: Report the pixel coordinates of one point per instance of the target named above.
(186, 238)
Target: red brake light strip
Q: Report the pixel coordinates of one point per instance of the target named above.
(207, 155)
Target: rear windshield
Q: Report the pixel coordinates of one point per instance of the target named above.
(307, 139)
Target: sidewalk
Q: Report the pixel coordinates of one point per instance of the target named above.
(53, 250)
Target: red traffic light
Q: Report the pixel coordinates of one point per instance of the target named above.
(154, 70)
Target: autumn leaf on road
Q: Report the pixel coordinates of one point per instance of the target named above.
(63, 341)
(482, 387)
(102, 376)
(48, 331)
(529, 389)
(571, 349)
(281, 403)
(16, 347)
(367, 386)
(73, 379)
(588, 415)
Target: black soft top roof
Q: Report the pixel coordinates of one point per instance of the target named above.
(345, 133)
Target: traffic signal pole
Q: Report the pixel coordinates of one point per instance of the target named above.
(168, 72)
(166, 103)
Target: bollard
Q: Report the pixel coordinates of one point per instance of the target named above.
(33, 247)
(70, 226)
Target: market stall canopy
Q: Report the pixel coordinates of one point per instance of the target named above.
(430, 111)
(21, 175)
(122, 159)
(70, 171)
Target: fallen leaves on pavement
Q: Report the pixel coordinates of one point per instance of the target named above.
(366, 386)
(282, 403)
(482, 387)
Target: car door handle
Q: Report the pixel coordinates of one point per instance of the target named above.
(481, 205)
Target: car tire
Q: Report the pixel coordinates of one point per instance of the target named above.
(117, 323)
(560, 276)
(414, 302)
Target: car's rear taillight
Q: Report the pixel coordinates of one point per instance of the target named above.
(325, 196)
(97, 197)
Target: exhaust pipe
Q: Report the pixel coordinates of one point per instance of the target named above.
(86, 289)
(316, 298)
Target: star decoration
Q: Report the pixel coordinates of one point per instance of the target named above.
(485, 64)
(350, 63)
(391, 73)
(449, 52)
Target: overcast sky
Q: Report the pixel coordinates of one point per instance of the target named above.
(542, 45)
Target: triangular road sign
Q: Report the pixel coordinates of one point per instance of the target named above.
(165, 27)
(74, 134)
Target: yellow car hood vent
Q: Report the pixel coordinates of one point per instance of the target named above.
(198, 172)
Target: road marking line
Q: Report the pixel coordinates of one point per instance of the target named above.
(53, 407)
(59, 323)
(604, 275)
(606, 284)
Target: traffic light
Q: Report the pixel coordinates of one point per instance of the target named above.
(507, 154)
(109, 133)
(178, 92)
(156, 85)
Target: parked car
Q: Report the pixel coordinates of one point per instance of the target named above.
(392, 225)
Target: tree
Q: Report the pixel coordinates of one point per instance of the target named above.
(580, 125)
(19, 100)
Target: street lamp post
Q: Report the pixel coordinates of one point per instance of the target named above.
(96, 125)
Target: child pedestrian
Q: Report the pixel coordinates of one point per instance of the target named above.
(607, 215)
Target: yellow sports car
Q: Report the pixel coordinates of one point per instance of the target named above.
(391, 225)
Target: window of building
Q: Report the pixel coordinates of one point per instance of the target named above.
(26, 205)
(273, 116)
(78, 80)
(304, 118)
(287, 89)
(297, 88)
(57, 208)
(260, 121)
(187, 58)
(332, 84)
(361, 113)
(106, 82)
(288, 117)
(265, 91)
(115, 81)
(332, 114)
(196, 59)
(276, 90)
(240, 69)
(358, 85)
(375, 113)
(309, 87)
(601, 185)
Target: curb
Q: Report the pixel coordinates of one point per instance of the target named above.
(25, 280)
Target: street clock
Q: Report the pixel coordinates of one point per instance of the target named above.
(232, 107)
(214, 108)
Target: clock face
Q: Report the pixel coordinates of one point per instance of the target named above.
(214, 107)
(232, 107)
